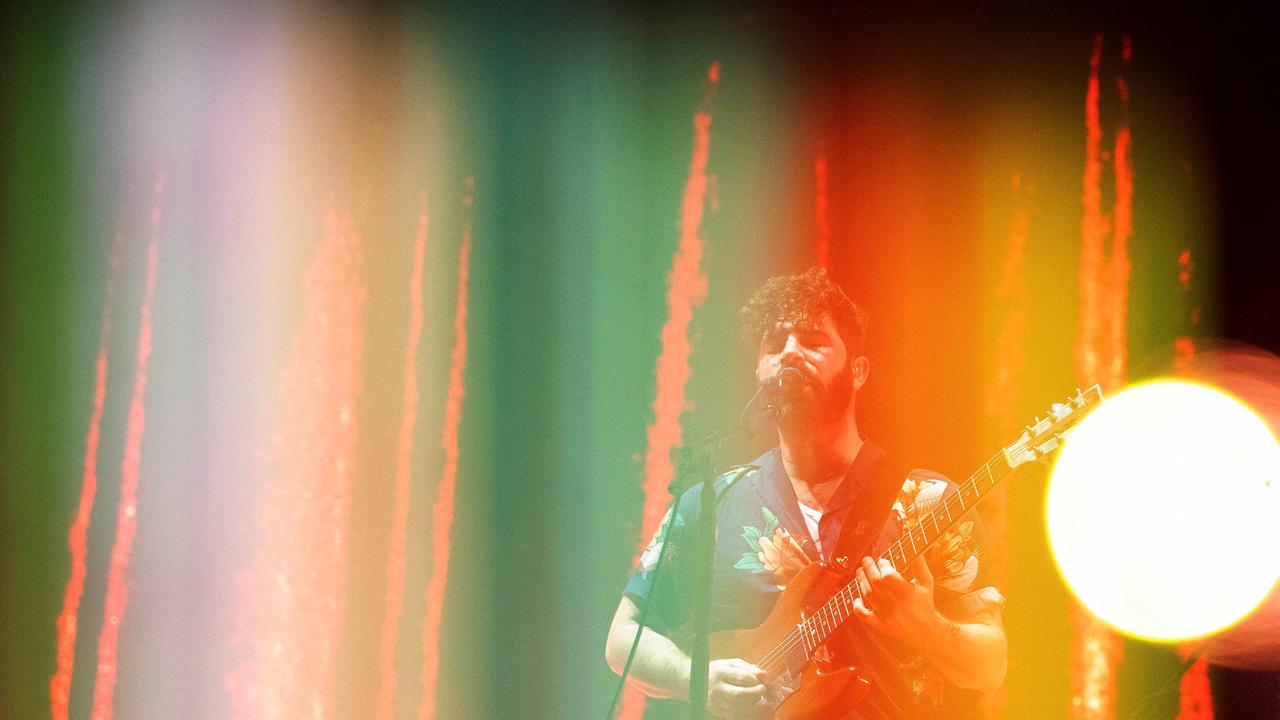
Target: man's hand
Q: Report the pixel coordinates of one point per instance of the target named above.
(735, 689)
(971, 653)
(892, 604)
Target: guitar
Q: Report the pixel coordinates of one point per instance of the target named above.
(819, 599)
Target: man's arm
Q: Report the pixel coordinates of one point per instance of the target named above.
(661, 669)
(970, 654)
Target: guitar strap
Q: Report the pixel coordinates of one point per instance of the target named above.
(865, 516)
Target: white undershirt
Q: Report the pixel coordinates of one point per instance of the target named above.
(811, 518)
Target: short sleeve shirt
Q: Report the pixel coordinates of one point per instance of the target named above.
(762, 542)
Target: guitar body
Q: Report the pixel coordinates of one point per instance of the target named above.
(818, 692)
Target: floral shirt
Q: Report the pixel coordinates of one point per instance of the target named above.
(762, 542)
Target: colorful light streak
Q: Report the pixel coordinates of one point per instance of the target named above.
(77, 541)
(294, 594)
(1101, 352)
(686, 289)
(127, 510)
(404, 458)
(442, 511)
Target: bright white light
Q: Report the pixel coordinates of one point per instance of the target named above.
(1164, 511)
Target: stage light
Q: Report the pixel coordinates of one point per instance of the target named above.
(1164, 511)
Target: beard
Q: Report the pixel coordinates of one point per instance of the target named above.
(817, 405)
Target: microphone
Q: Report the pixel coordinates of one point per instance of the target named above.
(787, 377)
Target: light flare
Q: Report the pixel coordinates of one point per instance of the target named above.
(686, 289)
(77, 535)
(1195, 694)
(404, 466)
(117, 596)
(442, 511)
(293, 596)
(1101, 350)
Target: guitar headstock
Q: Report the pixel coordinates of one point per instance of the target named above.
(1046, 434)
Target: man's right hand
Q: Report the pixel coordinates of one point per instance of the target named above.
(735, 689)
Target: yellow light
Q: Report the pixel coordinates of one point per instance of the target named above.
(1164, 511)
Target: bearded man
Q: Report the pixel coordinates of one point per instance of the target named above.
(927, 637)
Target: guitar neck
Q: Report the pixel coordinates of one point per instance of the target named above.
(914, 540)
(926, 531)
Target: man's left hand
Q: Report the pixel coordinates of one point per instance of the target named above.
(890, 603)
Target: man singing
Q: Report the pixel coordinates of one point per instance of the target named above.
(926, 636)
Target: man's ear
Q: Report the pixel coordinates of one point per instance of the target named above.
(861, 369)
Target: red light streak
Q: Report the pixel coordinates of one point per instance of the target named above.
(442, 512)
(1118, 273)
(1195, 694)
(1094, 227)
(1101, 352)
(820, 211)
(1184, 348)
(127, 510)
(60, 684)
(686, 289)
(294, 593)
(404, 458)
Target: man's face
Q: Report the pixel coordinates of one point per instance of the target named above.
(816, 350)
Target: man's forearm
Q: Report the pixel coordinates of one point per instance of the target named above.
(970, 654)
(660, 668)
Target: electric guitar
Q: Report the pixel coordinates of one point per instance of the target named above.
(819, 599)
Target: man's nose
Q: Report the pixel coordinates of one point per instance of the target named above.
(792, 347)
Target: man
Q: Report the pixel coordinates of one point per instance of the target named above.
(919, 634)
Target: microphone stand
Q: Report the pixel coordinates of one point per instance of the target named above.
(699, 464)
(704, 546)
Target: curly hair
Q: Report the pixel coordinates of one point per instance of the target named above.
(800, 299)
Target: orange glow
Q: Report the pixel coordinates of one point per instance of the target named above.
(687, 288)
(820, 211)
(294, 594)
(127, 510)
(442, 512)
(60, 684)
(404, 461)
